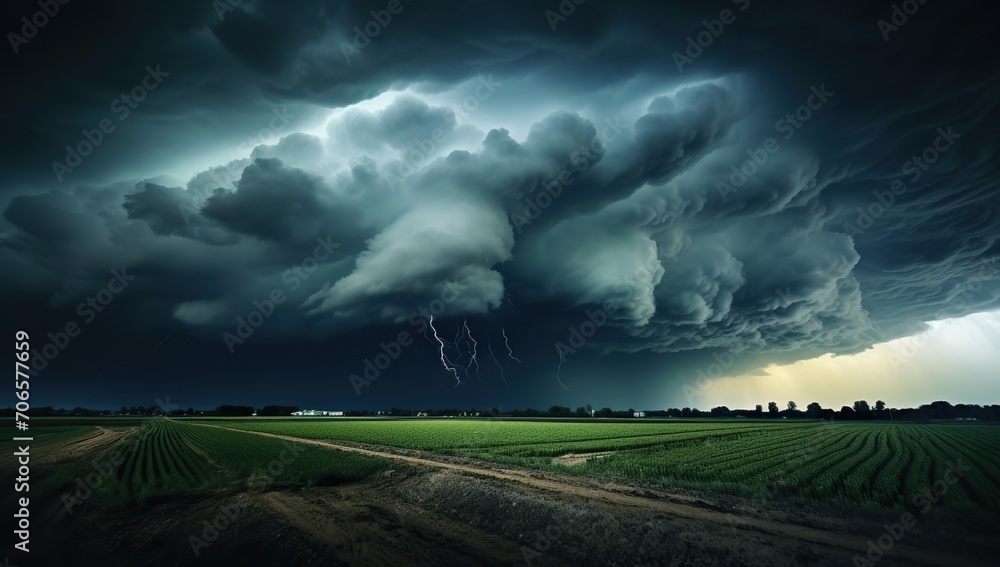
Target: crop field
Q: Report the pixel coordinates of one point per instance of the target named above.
(234, 490)
(165, 457)
(867, 465)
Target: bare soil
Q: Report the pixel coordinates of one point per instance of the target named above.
(573, 459)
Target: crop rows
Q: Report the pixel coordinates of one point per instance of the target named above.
(856, 464)
(166, 456)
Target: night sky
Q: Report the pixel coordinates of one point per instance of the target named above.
(249, 202)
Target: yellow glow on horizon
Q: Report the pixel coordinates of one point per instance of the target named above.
(957, 360)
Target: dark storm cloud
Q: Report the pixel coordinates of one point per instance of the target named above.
(803, 186)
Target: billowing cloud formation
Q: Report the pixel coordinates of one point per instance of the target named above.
(800, 186)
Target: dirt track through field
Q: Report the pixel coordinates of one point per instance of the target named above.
(79, 447)
(605, 494)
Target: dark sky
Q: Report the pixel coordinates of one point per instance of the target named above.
(735, 183)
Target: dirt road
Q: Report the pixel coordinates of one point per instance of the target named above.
(720, 517)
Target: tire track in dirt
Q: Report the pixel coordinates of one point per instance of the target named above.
(573, 488)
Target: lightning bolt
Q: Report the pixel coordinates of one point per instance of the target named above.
(444, 359)
(506, 342)
(489, 345)
(475, 345)
(558, 368)
(192, 345)
(164, 340)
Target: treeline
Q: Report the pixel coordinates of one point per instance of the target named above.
(859, 410)
(225, 410)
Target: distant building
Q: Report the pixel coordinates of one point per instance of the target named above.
(318, 413)
(639, 414)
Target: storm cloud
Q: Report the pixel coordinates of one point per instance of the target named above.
(776, 182)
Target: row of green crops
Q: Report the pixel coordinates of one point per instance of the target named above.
(453, 435)
(870, 465)
(166, 457)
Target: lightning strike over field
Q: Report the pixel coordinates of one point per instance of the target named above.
(444, 359)
(475, 345)
(489, 346)
(506, 342)
(558, 369)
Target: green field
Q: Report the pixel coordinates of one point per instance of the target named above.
(865, 465)
(164, 457)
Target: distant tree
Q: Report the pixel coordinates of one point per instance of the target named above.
(813, 409)
(605, 412)
(846, 413)
(772, 409)
(791, 406)
(234, 410)
(880, 409)
(759, 410)
(673, 412)
(686, 412)
(720, 411)
(124, 410)
(190, 411)
(276, 410)
(582, 412)
(590, 410)
(939, 410)
(862, 410)
(560, 411)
